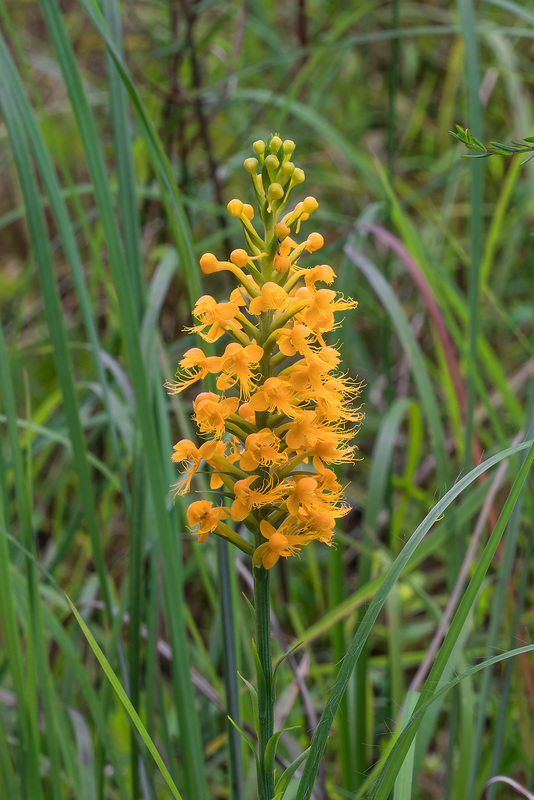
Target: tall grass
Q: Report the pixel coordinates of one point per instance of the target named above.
(124, 129)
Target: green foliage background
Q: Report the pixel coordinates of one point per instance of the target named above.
(117, 163)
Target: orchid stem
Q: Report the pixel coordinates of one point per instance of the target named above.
(265, 687)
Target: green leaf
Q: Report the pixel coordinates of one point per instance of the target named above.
(254, 699)
(259, 669)
(285, 655)
(506, 148)
(270, 749)
(404, 783)
(125, 700)
(478, 144)
(248, 740)
(250, 605)
(284, 779)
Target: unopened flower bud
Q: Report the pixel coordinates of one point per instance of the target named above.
(288, 168)
(276, 144)
(281, 264)
(298, 176)
(245, 412)
(248, 211)
(314, 242)
(289, 146)
(250, 164)
(282, 230)
(235, 207)
(239, 258)
(272, 163)
(309, 205)
(209, 264)
(275, 192)
(259, 147)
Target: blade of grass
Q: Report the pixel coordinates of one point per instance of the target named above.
(54, 436)
(345, 721)
(498, 603)
(452, 303)
(122, 139)
(420, 374)
(125, 700)
(8, 785)
(63, 363)
(427, 708)
(137, 527)
(194, 773)
(404, 789)
(157, 154)
(56, 324)
(84, 747)
(385, 784)
(358, 643)
(357, 758)
(28, 710)
(231, 667)
(474, 115)
(458, 774)
(506, 687)
(495, 621)
(39, 235)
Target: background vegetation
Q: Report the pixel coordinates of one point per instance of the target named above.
(117, 164)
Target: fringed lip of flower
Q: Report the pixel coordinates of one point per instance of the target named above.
(248, 498)
(284, 541)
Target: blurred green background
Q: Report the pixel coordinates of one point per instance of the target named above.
(116, 170)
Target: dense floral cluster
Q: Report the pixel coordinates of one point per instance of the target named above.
(282, 414)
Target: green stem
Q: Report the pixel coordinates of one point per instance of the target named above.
(262, 610)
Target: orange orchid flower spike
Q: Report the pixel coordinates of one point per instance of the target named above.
(280, 410)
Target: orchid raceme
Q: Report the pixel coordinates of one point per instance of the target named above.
(282, 412)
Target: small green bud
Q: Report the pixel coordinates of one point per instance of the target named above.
(272, 163)
(275, 192)
(250, 164)
(289, 146)
(276, 144)
(298, 176)
(288, 168)
(259, 147)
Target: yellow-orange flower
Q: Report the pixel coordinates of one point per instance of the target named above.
(236, 367)
(218, 317)
(262, 448)
(271, 296)
(276, 394)
(247, 498)
(280, 542)
(283, 410)
(195, 365)
(203, 517)
(211, 411)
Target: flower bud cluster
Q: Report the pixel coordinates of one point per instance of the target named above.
(281, 417)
